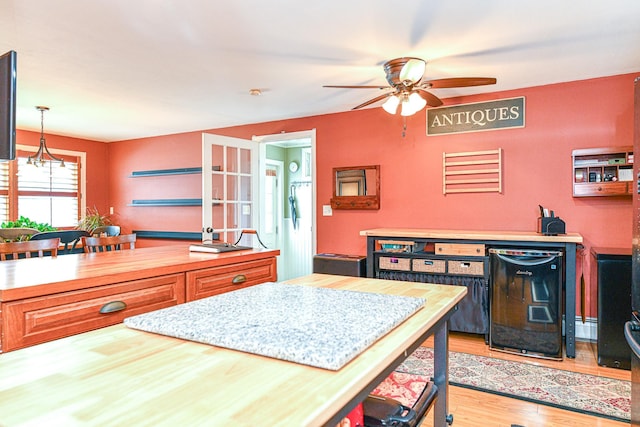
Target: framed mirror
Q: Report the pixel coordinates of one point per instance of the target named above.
(356, 187)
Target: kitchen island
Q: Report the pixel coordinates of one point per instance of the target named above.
(120, 376)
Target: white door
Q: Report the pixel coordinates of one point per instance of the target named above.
(229, 168)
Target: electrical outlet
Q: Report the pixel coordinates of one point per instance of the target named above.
(111, 210)
(326, 210)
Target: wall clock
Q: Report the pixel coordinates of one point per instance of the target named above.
(293, 166)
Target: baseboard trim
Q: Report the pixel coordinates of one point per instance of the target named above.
(587, 331)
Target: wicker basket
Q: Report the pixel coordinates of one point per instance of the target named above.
(469, 268)
(391, 263)
(430, 265)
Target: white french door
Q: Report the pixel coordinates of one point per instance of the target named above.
(229, 171)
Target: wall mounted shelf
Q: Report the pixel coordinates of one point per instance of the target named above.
(164, 172)
(166, 202)
(603, 171)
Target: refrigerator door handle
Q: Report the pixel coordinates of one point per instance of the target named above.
(529, 263)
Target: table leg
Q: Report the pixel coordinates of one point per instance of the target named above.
(441, 414)
(570, 300)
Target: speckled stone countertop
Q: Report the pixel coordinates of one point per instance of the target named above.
(320, 327)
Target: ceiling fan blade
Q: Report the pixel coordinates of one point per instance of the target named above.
(371, 101)
(460, 82)
(358, 87)
(432, 100)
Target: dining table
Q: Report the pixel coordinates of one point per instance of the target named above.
(119, 375)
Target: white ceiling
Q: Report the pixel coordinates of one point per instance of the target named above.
(120, 69)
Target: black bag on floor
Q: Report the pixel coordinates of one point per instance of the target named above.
(380, 411)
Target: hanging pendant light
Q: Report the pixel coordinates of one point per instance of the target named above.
(38, 159)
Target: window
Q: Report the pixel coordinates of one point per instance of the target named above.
(46, 194)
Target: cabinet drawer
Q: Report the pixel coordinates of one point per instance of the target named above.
(36, 320)
(466, 249)
(469, 268)
(217, 280)
(393, 263)
(600, 189)
(430, 265)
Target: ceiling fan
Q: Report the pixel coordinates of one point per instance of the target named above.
(409, 91)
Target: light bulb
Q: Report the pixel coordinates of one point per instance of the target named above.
(417, 102)
(391, 104)
(407, 108)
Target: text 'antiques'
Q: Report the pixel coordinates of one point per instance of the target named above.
(478, 116)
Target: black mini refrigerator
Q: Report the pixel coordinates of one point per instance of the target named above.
(526, 302)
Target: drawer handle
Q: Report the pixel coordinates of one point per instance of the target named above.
(112, 307)
(465, 264)
(428, 262)
(240, 278)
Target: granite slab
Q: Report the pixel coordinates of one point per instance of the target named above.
(320, 327)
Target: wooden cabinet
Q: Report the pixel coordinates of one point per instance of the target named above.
(43, 299)
(216, 280)
(603, 172)
(36, 320)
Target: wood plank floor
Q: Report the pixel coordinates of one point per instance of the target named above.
(477, 409)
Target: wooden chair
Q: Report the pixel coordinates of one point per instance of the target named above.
(16, 250)
(69, 238)
(111, 243)
(107, 230)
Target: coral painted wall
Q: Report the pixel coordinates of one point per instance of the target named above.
(165, 152)
(536, 168)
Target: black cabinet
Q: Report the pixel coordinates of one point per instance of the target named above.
(611, 273)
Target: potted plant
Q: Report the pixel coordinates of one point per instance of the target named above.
(92, 220)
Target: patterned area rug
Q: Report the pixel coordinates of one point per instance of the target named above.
(588, 394)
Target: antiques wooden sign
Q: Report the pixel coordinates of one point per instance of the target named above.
(477, 116)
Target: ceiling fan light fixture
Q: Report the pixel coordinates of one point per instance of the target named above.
(412, 71)
(411, 104)
(391, 104)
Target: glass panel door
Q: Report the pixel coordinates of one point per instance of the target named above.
(229, 167)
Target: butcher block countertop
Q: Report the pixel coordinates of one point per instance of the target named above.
(120, 376)
(519, 236)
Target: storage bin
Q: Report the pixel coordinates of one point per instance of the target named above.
(468, 268)
(340, 264)
(392, 263)
(430, 265)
